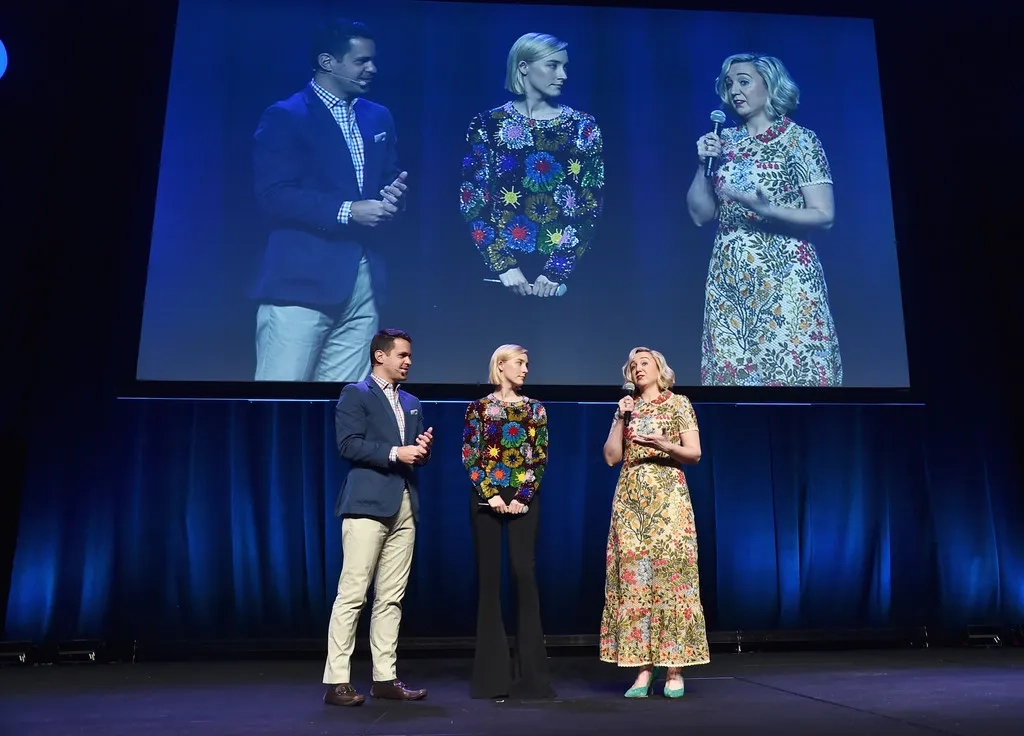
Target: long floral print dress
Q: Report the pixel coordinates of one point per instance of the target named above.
(652, 611)
(767, 320)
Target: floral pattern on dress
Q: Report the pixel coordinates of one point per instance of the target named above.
(536, 185)
(505, 445)
(653, 613)
(767, 320)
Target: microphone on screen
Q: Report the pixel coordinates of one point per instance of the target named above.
(629, 389)
(560, 291)
(361, 83)
(717, 119)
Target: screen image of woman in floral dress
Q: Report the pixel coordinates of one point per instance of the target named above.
(767, 319)
(533, 174)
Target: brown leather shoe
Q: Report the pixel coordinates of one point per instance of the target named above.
(395, 690)
(343, 694)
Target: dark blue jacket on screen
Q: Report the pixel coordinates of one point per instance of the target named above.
(303, 172)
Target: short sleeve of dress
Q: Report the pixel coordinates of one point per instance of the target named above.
(807, 157)
(687, 416)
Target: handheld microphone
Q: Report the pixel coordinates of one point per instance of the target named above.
(717, 118)
(629, 389)
(560, 291)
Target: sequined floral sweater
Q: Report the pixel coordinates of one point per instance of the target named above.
(532, 186)
(505, 446)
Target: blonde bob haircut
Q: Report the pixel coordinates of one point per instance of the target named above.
(503, 353)
(666, 376)
(529, 47)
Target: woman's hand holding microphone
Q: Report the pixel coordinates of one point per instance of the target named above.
(709, 145)
(626, 404)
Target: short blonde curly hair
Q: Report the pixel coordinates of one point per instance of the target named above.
(666, 376)
(783, 92)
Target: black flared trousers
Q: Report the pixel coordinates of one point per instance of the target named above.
(493, 675)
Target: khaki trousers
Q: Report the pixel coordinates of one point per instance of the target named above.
(372, 548)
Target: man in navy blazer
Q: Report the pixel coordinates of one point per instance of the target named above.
(380, 432)
(326, 178)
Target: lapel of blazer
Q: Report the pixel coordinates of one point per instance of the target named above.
(365, 123)
(409, 419)
(329, 132)
(390, 415)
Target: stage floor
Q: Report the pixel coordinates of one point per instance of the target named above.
(905, 692)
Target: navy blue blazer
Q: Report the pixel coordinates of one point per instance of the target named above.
(303, 172)
(366, 429)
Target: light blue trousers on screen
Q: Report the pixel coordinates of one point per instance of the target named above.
(302, 344)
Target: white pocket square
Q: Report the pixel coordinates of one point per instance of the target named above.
(380, 137)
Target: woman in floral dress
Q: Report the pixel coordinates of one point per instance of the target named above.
(653, 615)
(767, 320)
(533, 174)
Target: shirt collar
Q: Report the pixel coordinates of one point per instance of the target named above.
(384, 385)
(330, 99)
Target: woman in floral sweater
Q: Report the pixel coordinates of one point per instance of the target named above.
(505, 451)
(533, 174)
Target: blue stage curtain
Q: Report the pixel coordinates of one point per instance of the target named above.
(213, 520)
